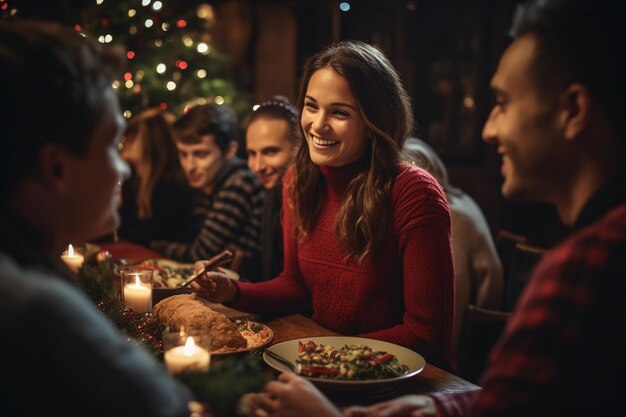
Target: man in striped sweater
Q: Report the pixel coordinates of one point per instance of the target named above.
(229, 197)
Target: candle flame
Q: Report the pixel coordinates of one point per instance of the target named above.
(137, 280)
(190, 346)
(70, 250)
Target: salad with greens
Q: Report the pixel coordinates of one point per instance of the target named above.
(350, 362)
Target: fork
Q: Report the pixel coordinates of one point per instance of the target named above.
(296, 368)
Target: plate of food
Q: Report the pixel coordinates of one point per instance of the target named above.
(168, 274)
(344, 362)
(227, 336)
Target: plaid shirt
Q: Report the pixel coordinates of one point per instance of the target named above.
(563, 352)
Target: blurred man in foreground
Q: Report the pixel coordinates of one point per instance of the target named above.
(60, 173)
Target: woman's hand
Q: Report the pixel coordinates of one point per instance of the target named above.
(406, 406)
(294, 396)
(214, 286)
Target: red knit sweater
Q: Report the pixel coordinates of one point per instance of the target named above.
(405, 295)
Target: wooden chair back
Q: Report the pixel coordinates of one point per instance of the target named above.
(524, 259)
(481, 329)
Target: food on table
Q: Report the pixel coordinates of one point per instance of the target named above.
(194, 313)
(256, 334)
(350, 362)
(166, 273)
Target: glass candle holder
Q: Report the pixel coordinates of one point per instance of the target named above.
(137, 289)
(186, 351)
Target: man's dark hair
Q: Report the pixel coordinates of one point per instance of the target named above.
(52, 81)
(579, 41)
(208, 119)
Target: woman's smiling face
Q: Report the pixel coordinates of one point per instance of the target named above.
(335, 131)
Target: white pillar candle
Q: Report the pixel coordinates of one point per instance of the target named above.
(72, 259)
(138, 296)
(190, 357)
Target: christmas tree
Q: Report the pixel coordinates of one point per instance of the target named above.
(172, 58)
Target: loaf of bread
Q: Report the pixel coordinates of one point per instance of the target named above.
(194, 313)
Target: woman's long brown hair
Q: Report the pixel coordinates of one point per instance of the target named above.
(365, 213)
(158, 153)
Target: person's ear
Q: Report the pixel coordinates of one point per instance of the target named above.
(233, 147)
(576, 110)
(53, 170)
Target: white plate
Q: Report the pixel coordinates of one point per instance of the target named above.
(289, 350)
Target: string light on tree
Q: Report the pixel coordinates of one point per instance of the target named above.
(166, 38)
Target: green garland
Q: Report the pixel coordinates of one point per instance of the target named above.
(221, 386)
(224, 384)
(99, 282)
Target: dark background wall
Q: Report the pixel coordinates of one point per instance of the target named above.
(445, 51)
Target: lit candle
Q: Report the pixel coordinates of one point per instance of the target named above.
(187, 358)
(138, 296)
(73, 260)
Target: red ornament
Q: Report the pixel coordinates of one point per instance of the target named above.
(128, 312)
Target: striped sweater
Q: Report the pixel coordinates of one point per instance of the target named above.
(231, 213)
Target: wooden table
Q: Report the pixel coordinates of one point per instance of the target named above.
(295, 326)
(431, 379)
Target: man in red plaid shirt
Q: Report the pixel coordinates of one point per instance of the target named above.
(559, 124)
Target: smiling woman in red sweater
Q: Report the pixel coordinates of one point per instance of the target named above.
(366, 238)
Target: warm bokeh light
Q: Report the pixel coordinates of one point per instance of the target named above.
(202, 48)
